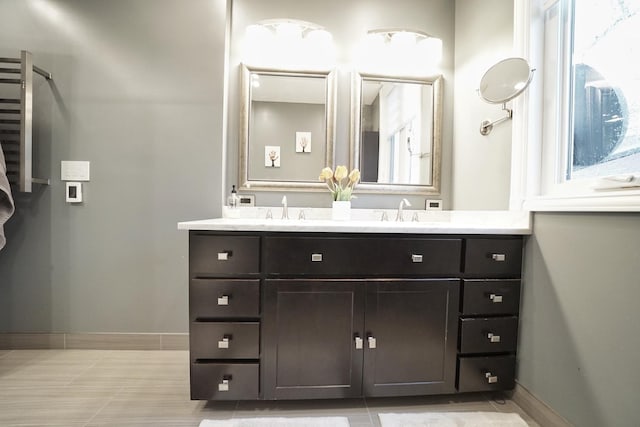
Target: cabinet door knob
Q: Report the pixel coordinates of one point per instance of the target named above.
(495, 298)
(316, 257)
(224, 256)
(493, 338)
(416, 258)
(223, 300)
(372, 342)
(491, 379)
(224, 385)
(359, 343)
(498, 257)
(224, 343)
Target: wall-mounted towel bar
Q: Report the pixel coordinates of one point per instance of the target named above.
(16, 120)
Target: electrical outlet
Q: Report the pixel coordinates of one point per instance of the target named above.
(433, 205)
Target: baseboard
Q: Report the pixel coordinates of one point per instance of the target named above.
(537, 409)
(94, 341)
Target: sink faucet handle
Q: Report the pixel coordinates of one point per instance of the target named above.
(269, 214)
(384, 216)
(415, 217)
(285, 210)
(301, 215)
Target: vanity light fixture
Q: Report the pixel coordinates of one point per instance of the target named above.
(400, 52)
(288, 43)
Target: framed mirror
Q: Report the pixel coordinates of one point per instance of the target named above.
(396, 133)
(287, 128)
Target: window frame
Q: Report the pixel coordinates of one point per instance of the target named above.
(536, 156)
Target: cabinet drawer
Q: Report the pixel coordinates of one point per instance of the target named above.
(491, 335)
(486, 373)
(223, 298)
(334, 256)
(208, 381)
(493, 257)
(212, 255)
(491, 296)
(207, 340)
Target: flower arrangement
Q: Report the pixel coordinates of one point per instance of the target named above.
(340, 183)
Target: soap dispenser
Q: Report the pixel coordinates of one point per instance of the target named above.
(233, 199)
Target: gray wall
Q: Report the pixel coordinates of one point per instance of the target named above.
(138, 92)
(579, 340)
(348, 21)
(481, 165)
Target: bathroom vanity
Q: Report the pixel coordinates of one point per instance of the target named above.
(287, 311)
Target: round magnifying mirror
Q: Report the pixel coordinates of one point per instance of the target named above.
(505, 80)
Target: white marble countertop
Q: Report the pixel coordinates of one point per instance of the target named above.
(367, 221)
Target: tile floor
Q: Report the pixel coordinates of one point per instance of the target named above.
(92, 388)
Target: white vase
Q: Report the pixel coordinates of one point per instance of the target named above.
(341, 210)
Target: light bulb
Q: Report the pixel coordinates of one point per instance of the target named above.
(431, 48)
(289, 32)
(403, 40)
(319, 38)
(257, 44)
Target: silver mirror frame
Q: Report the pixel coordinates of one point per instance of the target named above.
(356, 134)
(245, 116)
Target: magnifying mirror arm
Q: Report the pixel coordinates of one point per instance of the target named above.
(487, 126)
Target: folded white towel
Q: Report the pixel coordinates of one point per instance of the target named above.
(6, 201)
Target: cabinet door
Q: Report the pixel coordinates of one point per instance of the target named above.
(309, 339)
(413, 325)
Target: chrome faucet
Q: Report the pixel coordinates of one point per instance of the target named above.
(285, 210)
(403, 202)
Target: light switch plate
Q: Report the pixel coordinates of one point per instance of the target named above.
(74, 170)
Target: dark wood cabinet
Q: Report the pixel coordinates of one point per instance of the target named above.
(413, 327)
(489, 314)
(310, 330)
(224, 316)
(337, 338)
(288, 315)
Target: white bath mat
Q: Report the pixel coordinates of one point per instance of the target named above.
(452, 419)
(279, 422)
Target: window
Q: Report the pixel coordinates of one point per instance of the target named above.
(590, 118)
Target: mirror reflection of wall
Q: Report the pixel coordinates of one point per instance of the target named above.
(282, 109)
(396, 132)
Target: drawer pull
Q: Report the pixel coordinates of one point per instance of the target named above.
(498, 257)
(359, 343)
(224, 343)
(493, 338)
(491, 379)
(224, 256)
(372, 342)
(223, 300)
(495, 298)
(416, 258)
(316, 257)
(224, 385)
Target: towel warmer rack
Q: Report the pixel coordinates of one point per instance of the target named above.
(16, 120)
